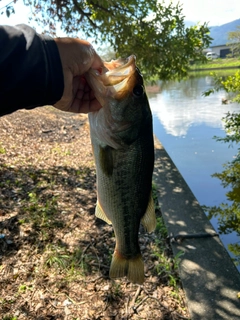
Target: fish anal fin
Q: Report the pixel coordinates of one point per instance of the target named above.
(132, 268)
(149, 219)
(101, 214)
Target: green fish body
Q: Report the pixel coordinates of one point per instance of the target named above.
(122, 140)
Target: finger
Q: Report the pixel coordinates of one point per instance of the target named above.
(97, 62)
(84, 99)
(87, 57)
(85, 106)
(87, 50)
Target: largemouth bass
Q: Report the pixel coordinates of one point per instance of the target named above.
(122, 139)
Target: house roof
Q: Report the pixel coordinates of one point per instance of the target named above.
(219, 45)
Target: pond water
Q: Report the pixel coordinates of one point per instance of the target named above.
(185, 123)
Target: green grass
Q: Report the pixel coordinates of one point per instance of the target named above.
(72, 264)
(166, 266)
(217, 64)
(2, 149)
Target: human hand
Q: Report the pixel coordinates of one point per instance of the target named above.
(77, 57)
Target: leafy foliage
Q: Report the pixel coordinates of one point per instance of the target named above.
(232, 127)
(7, 9)
(234, 41)
(230, 84)
(228, 214)
(152, 30)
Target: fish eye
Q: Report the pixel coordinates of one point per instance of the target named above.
(138, 91)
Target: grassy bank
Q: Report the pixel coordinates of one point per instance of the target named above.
(217, 64)
(54, 253)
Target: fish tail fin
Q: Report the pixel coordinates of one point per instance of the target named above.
(132, 268)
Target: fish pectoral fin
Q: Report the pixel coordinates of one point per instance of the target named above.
(99, 213)
(149, 219)
(106, 159)
(132, 268)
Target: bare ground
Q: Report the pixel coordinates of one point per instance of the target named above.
(54, 254)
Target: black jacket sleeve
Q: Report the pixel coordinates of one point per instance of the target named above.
(30, 69)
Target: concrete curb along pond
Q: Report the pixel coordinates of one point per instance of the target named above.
(210, 279)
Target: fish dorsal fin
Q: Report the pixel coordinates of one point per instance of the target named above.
(149, 218)
(101, 214)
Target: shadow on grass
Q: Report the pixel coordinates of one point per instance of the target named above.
(39, 206)
(50, 231)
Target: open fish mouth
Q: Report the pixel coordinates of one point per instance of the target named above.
(115, 86)
(118, 70)
(116, 79)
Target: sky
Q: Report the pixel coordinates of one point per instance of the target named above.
(215, 12)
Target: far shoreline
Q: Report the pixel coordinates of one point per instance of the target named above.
(217, 68)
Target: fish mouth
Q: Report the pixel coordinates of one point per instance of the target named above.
(118, 71)
(116, 79)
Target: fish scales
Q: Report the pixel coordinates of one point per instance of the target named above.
(124, 191)
(122, 140)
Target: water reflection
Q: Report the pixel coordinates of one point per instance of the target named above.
(228, 214)
(185, 123)
(181, 104)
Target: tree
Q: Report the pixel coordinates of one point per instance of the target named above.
(150, 29)
(234, 42)
(8, 9)
(228, 214)
(230, 84)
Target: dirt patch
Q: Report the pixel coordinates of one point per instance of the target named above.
(54, 253)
